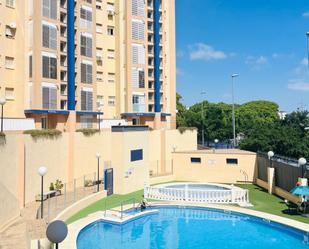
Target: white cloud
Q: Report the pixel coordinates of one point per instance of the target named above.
(179, 71)
(257, 61)
(298, 85)
(306, 14)
(202, 51)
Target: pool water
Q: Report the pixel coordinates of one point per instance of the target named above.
(192, 228)
(197, 187)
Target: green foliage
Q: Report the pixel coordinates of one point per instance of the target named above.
(184, 129)
(51, 186)
(88, 132)
(58, 184)
(45, 133)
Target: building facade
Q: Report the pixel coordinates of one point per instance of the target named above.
(110, 59)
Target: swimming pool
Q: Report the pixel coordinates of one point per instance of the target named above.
(198, 186)
(176, 227)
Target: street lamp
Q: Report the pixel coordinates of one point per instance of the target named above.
(270, 155)
(2, 103)
(216, 142)
(307, 34)
(56, 232)
(99, 114)
(203, 139)
(98, 155)
(233, 111)
(42, 172)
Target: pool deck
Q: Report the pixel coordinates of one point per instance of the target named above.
(114, 216)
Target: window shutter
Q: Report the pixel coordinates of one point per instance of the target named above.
(138, 30)
(45, 97)
(89, 74)
(83, 100)
(45, 36)
(135, 77)
(53, 9)
(138, 54)
(83, 45)
(53, 68)
(53, 98)
(138, 8)
(83, 72)
(53, 37)
(89, 101)
(46, 8)
(89, 47)
(45, 68)
(135, 54)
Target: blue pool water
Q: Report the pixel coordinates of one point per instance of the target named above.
(197, 186)
(192, 228)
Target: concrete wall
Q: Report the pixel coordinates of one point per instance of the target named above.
(213, 166)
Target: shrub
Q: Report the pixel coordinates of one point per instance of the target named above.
(46, 133)
(58, 184)
(184, 129)
(88, 132)
(51, 187)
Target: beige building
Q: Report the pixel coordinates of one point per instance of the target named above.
(123, 66)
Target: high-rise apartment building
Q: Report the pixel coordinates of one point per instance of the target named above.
(114, 58)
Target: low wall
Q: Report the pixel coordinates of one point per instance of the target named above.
(161, 179)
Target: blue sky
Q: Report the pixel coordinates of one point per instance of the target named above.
(262, 40)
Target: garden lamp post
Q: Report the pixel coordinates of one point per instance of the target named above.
(216, 143)
(56, 232)
(98, 155)
(301, 162)
(2, 103)
(99, 117)
(42, 172)
(270, 155)
(203, 117)
(233, 109)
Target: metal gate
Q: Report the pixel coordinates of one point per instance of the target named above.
(109, 181)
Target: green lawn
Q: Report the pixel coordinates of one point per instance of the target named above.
(259, 197)
(262, 201)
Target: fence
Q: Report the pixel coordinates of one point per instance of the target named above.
(155, 168)
(70, 193)
(287, 170)
(231, 196)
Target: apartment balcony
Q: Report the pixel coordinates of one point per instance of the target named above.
(139, 108)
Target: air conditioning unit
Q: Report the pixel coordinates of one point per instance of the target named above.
(13, 25)
(99, 57)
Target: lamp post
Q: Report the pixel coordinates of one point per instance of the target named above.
(216, 142)
(307, 34)
(270, 155)
(233, 110)
(203, 117)
(301, 162)
(56, 232)
(2, 103)
(98, 155)
(99, 114)
(42, 172)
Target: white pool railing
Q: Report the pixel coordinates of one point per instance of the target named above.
(229, 196)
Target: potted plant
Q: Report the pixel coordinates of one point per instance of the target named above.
(58, 186)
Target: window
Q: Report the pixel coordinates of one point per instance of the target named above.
(111, 100)
(99, 28)
(111, 78)
(86, 121)
(86, 17)
(49, 96)
(10, 3)
(86, 72)
(44, 123)
(100, 101)
(30, 66)
(49, 35)
(136, 155)
(10, 31)
(138, 8)
(9, 93)
(86, 99)
(138, 101)
(138, 27)
(49, 68)
(86, 44)
(232, 161)
(138, 54)
(9, 62)
(50, 9)
(99, 76)
(138, 77)
(195, 160)
(110, 30)
(111, 54)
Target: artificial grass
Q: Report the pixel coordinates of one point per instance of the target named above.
(108, 203)
(259, 197)
(264, 202)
